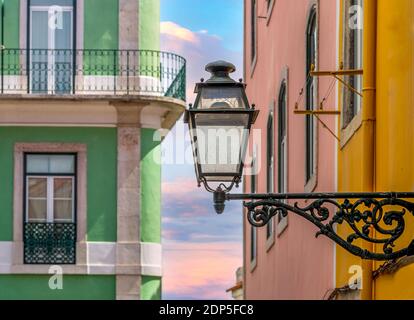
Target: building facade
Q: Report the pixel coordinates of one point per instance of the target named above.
(362, 148)
(378, 139)
(284, 41)
(84, 89)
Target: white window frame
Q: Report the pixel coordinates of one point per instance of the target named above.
(50, 198)
(270, 172)
(282, 222)
(50, 43)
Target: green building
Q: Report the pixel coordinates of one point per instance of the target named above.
(84, 88)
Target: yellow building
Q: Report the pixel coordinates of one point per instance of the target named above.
(376, 147)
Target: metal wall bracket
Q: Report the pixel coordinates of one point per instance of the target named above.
(377, 218)
(317, 112)
(337, 75)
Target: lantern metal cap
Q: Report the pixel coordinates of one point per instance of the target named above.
(220, 71)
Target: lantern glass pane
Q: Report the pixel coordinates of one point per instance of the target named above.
(221, 98)
(221, 141)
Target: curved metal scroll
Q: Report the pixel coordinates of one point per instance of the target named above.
(361, 216)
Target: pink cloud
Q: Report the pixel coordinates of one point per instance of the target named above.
(174, 30)
(203, 265)
(198, 48)
(180, 187)
(200, 270)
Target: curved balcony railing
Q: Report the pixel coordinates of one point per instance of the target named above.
(92, 72)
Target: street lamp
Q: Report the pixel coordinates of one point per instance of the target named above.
(219, 124)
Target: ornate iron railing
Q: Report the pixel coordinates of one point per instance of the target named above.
(49, 243)
(88, 72)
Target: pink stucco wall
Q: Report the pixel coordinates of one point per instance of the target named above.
(297, 266)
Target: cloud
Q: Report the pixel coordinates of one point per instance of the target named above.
(172, 29)
(199, 271)
(198, 48)
(179, 187)
(202, 250)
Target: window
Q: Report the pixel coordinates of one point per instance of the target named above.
(50, 183)
(51, 40)
(282, 147)
(311, 94)
(253, 24)
(270, 166)
(352, 58)
(253, 230)
(49, 234)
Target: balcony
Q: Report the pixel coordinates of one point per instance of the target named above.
(49, 243)
(92, 72)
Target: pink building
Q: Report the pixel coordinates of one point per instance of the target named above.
(283, 40)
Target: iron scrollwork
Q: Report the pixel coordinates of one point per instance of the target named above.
(49, 243)
(380, 222)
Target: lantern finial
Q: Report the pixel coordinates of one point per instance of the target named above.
(220, 71)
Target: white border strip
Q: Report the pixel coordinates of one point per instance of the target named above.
(101, 260)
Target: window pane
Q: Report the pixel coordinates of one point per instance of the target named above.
(62, 164)
(67, 3)
(63, 210)
(37, 187)
(37, 210)
(42, 163)
(62, 188)
(37, 163)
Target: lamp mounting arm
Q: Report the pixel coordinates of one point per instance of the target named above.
(364, 213)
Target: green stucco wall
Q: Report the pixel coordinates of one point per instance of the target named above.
(150, 288)
(150, 205)
(36, 287)
(101, 174)
(150, 188)
(11, 24)
(101, 24)
(149, 24)
(101, 20)
(11, 41)
(101, 31)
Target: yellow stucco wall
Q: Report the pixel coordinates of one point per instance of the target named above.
(379, 155)
(395, 125)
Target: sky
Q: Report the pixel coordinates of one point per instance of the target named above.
(202, 250)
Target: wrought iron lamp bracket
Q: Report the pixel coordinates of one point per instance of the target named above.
(377, 218)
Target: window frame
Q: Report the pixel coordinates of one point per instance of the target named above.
(50, 214)
(269, 6)
(253, 230)
(73, 9)
(311, 125)
(351, 102)
(73, 175)
(270, 170)
(253, 35)
(81, 150)
(26, 39)
(282, 171)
